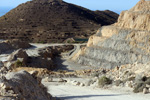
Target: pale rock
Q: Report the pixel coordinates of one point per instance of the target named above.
(147, 86)
(129, 84)
(62, 80)
(82, 84)
(76, 83)
(23, 86)
(48, 79)
(124, 42)
(145, 91)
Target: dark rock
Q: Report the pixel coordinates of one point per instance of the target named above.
(10, 45)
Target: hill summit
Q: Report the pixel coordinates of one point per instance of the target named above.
(52, 21)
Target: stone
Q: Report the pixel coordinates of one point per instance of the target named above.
(82, 84)
(16, 59)
(23, 86)
(76, 83)
(48, 79)
(34, 73)
(145, 91)
(129, 84)
(62, 80)
(147, 86)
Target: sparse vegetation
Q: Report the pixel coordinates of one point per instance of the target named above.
(96, 74)
(118, 82)
(18, 63)
(41, 42)
(69, 22)
(139, 87)
(141, 84)
(104, 81)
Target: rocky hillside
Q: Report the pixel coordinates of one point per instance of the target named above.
(52, 21)
(124, 42)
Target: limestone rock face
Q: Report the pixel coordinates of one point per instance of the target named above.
(124, 42)
(136, 18)
(22, 86)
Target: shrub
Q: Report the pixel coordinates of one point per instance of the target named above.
(18, 63)
(96, 74)
(139, 87)
(104, 81)
(42, 42)
(90, 82)
(147, 81)
(141, 84)
(118, 82)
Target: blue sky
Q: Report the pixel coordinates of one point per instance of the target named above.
(114, 5)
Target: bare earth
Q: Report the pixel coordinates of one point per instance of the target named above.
(67, 91)
(70, 92)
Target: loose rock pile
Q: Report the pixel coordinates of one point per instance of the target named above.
(135, 76)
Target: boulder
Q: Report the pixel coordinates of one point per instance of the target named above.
(22, 86)
(46, 52)
(17, 59)
(145, 91)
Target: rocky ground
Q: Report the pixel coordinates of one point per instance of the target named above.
(70, 80)
(17, 56)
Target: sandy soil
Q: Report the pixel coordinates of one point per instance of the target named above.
(70, 92)
(69, 65)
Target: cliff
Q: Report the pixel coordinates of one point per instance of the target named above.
(124, 42)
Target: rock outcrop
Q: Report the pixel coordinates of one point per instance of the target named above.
(14, 44)
(124, 42)
(22, 86)
(20, 58)
(52, 21)
(35, 58)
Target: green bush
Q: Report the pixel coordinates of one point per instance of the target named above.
(118, 82)
(18, 63)
(141, 84)
(42, 42)
(104, 81)
(96, 74)
(139, 87)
